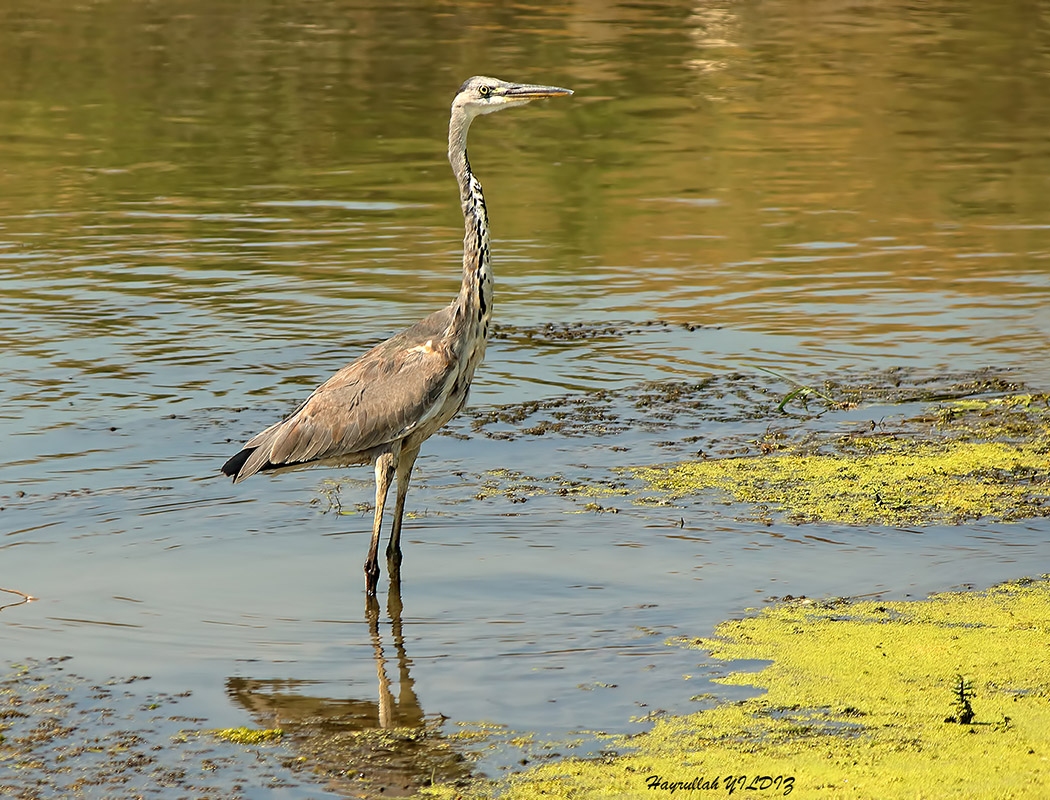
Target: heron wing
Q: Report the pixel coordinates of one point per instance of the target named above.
(382, 396)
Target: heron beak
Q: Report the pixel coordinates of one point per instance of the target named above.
(526, 91)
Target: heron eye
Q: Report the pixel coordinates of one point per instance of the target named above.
(484, 91)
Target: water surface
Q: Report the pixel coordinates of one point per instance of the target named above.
(205, 208)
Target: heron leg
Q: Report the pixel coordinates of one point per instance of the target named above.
(384, 474)
(404, 476)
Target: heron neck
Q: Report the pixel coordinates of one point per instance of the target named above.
(475, 296)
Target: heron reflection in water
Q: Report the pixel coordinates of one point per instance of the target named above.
(380, 408)
(402, 749)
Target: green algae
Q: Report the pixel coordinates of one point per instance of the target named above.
(962, 461)
(249, 736)
(1008, 401)
(857, 702)
(901, 482)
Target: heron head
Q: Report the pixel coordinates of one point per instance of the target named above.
(481, 95)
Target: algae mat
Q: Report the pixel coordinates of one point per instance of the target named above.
(875, 451)
(862, 699)
(960, 461)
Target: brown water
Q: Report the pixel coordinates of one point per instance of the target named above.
(206, 207)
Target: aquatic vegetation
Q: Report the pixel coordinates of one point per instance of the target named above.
(854, 704)
(252, 736)
(519, 487)
(899, 482)
(964, 692)
(967, 459)
(800, 392)
(667, 405)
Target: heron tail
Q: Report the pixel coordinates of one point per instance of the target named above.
(234, 465)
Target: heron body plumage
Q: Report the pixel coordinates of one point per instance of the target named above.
(381, 407)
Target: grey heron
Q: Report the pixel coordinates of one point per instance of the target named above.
(380, 408)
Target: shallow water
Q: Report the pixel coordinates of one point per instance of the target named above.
(205, 208)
